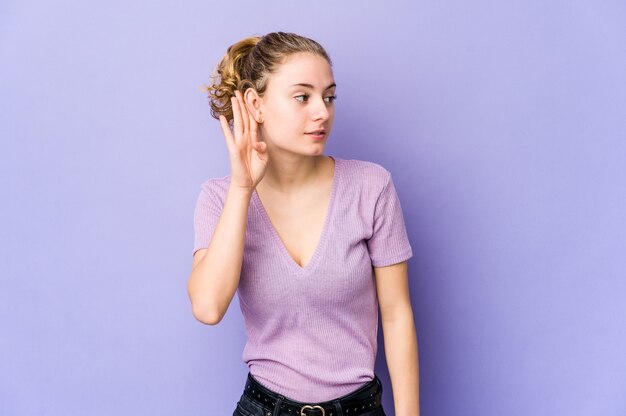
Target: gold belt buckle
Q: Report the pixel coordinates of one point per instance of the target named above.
(312, 407)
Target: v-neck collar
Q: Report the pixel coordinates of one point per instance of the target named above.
(321, 244)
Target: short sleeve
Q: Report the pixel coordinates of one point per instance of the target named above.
(389, 243)
(206, 215)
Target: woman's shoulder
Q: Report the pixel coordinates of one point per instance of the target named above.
(216, 187)
(365, 171)
(218, 182)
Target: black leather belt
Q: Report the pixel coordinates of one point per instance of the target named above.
(362, 400)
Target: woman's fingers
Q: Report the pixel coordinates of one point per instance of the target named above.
(237, 124)
(261, 148)
(228, 135)
(261, 152)
(249, 123)
(244, 112)
(248, 155)
(254, 135)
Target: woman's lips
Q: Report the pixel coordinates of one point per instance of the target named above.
(317, 135)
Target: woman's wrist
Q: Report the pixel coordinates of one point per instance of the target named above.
(239, 192)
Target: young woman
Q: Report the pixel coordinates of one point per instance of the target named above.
(312, 244)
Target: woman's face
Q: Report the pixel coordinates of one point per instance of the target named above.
(297, 106)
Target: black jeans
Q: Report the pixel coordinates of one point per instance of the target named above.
(246, 406)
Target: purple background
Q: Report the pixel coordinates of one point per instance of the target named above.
(503, 123)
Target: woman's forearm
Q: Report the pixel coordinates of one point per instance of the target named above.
(214, 280)
(401, 352)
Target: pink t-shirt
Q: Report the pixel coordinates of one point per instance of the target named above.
(312, 331)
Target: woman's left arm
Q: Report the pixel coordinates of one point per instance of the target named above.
(392, 287)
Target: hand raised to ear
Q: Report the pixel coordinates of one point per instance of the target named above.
(248, 156)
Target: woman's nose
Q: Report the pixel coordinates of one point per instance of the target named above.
(321, 110)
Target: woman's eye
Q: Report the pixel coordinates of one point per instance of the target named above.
(305, 97)
(302, 97)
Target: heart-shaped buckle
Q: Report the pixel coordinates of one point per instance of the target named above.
(312, 407)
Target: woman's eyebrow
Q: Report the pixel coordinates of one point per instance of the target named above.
(312, 87)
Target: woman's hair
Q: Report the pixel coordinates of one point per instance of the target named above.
(248, 63)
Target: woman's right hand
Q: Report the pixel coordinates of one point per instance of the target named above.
(248, 155)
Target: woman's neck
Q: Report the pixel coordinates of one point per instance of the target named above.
(292, 174)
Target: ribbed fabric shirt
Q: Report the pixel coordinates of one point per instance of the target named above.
(312, 331)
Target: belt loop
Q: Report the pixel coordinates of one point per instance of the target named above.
(338, 407)
(277, 406)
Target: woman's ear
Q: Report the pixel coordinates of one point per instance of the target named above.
(253, 104)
